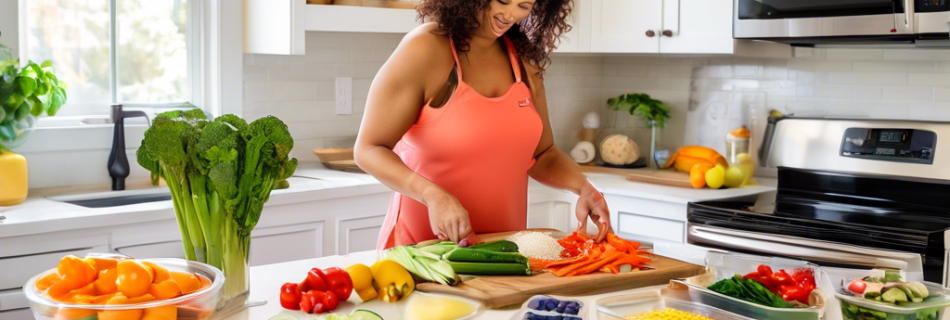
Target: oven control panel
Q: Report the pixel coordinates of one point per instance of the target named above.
(932, 5)
(899, 145)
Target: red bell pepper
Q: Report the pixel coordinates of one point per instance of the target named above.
(764, 270)
(339, 282)
(316, 280)
(290, 296)
(791, 287)
(330, 301)
(312, 302)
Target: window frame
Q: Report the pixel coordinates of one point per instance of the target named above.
(195, 32)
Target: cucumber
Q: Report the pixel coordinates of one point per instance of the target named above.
(499, 269)
(481, 255)
(497, 246)
(363, 314)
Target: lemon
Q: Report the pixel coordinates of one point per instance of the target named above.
(716, 176)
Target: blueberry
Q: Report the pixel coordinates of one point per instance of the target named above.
(536, 304)
(550, 305)
(532, 316)
(555, 317)
(561, 306)
(572, 311)
(573, 304)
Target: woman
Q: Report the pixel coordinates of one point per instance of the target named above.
(457, 120)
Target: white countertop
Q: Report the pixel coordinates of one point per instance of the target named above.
(266, 281)
(311, 182)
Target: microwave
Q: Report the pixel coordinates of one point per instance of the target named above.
(918, 23)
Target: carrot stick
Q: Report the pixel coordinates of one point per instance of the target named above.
(596, 265)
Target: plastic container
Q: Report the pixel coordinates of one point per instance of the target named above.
(853, 308)
(727, 265)
(416, 296)
(197, 305)
(582, 310)
(640, 302)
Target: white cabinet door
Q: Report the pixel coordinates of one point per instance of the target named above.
(286, 243)
(274, 26)
(19, 314)
(168, 249)
(626, 26)
(647, 220)
(578, 39)
(697, 26)
(358, 234)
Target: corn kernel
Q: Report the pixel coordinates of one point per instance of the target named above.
(667, 314)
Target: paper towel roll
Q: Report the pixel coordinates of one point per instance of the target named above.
(583, 152)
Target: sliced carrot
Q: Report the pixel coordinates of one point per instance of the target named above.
(161, 313)
(165, 290)
(565, 262)
(596, 264)
(102, 299)
(48, 281)
(539, 264)
(188, 282)
(161, 274)
(632, 260)
(105, 284)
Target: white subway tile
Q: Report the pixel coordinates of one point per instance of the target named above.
(367, 70)
(582, 70)
(361, 88)
(337, 40)
(819, 65)
(579, 60)
(302, 73)
(630, 83)
(910, 54)
(942, 93)
(775, 71)
(609, 69)
(867, 78)
(331, 126)
(943, 66)
(303, 148)
(555, 69)
(847, 92)
(344, 142)
(255, 73)
(804, 90)
(248, 59)
(899, 66)
(268, 59)
(636, 70)
(717, 71)
(284, 91)
(672, 71)
(928, 79)
(854, 54)
(909, 93)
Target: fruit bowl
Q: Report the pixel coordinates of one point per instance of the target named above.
(193, 306)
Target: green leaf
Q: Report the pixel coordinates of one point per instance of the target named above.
(23, 110)
(52, 78)
(38, 106)
(36, 68)
(26, 85)
(43, 86)
(59, 99)
(3, 114)
(7, 133)
(46, 64)
(13, 102)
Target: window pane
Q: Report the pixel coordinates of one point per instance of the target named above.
(74, 34)
(152, 51)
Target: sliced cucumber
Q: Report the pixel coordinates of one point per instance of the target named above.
(363, 314)
(282, 316)
(482, 255)
(498, 246)
(481, 268)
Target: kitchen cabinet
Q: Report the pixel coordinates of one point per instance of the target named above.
(647, 220)
(274, 26)
(625, 26)
(286, 243)
(696, 26)
(551, 209)
(577, 40)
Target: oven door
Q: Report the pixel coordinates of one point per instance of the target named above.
(817, 251)
(779, 19)
(933, 18)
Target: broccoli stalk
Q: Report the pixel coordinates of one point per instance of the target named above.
(220, 173)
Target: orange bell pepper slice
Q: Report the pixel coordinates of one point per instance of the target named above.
(596, 264)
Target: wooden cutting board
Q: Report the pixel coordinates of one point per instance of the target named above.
(343, 165)
(502, 291)
(663, 177)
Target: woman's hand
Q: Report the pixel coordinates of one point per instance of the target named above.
(592, 204)
(448, 219)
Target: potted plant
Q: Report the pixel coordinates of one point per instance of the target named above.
(25, 94)
(653, 112)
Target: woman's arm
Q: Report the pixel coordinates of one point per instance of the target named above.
(556, 169)
(395, 99)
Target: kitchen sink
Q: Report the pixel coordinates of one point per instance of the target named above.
(116, 198)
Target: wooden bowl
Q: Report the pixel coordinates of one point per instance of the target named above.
(333, 154)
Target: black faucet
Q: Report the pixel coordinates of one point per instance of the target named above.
(118, 162)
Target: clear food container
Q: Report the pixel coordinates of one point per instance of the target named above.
(646, 301)
(557, 312)
(858, 308)
(421, 304)
(194, 306)
(726, 265)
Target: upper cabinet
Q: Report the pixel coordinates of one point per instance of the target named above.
(625, 26)
(661, 26)
(274, 26)
(578, 39)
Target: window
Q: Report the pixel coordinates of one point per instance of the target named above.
(135, 52)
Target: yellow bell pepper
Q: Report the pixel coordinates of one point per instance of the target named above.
(391, 281)
(362, 278)
(686, 157)
(13, 178)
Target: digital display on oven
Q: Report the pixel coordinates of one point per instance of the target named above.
(932, 3)
(891, 136)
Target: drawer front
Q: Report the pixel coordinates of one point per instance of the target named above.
(650, 229)
(287, 243)
(13, 299)
(16, 271)
(19, 314)
(168, 249)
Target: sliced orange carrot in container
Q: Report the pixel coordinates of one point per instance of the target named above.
(47, 281)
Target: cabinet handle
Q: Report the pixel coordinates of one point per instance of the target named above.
(668, 33)
(650, 34)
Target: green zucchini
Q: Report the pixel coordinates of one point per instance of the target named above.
(480, 255)
(497, 246)
(501, 269)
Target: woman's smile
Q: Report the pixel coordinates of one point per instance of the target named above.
(500, 26)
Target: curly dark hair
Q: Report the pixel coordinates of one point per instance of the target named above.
(534, 38)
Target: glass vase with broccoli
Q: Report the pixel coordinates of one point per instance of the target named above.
(220, 173)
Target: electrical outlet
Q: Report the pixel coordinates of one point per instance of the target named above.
(344, 95)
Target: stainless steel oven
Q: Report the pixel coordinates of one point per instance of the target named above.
(817, 22)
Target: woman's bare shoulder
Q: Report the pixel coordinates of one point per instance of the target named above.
(424, 43)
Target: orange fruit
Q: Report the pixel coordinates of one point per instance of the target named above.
(70, 296)
(58, 290)
(82, 299)
(105, 284)
(164, 290)
(133, 278)
(101, 264)
(161, 274)
(102, 299)
(47, 281)
(697, 174)
(188, 282)
(76, 272)
(73, 313)
(120, 298)
(205, 282)
(161, 313)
